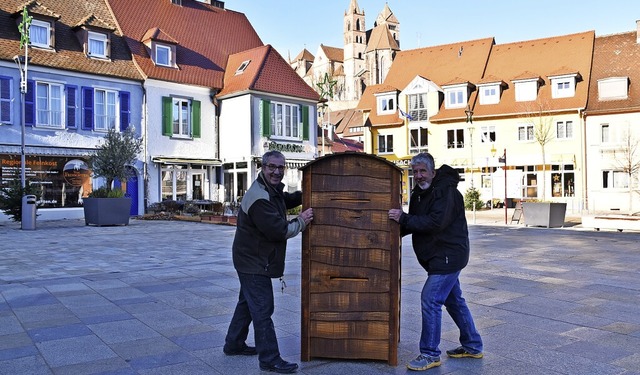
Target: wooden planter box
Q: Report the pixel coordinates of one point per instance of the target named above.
(544, 214)
(106, 211)
(220, 219)
(351, 259)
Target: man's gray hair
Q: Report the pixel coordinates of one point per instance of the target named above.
(426, 159)
(271, 154)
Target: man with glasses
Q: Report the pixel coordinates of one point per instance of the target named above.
(440, 239)
(259, 249)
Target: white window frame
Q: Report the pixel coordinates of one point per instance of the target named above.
(162, 47)
(39, 24)
(181, 117)
(613, 88)
(526, 133)
(242, 67)
(487, 134)
(563, 87)
(455, 138)
(564, 129)
(614, 179)
(386, 104)
(99, 39)
(384, 140)
(285, 120)
(605, 133)
(489, 94)
(105, 109)
(49, 109)
(421, 145)
(417, 106)
(455, 98)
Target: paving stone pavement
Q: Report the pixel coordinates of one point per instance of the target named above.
(155, 297)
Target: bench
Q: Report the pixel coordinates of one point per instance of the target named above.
(618, 222)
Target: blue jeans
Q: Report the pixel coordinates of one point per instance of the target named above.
(255, 304)
(445, 290)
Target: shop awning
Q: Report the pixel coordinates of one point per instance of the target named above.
(168, 160)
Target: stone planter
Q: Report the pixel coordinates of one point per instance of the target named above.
(544, 214)
(106, 211)
(220, 219)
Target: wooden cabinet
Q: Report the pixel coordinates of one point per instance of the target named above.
(351, 259)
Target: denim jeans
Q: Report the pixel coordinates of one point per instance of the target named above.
(445, 290)
(255, 304)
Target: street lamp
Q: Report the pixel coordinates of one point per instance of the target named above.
(503, 159)
(22, 62)
(469, 114)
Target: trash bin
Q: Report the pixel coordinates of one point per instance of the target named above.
(29, 212)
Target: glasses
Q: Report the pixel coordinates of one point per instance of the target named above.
(273, 167)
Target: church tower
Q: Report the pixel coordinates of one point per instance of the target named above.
(355, 43)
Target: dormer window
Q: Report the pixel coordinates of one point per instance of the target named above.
(456, 96)
(163, 55)
(563, 86)
(526, 90)
(242, 67)
(614, 88)
(489, 94)
(97, 44)
(386, 104)
(40, 34)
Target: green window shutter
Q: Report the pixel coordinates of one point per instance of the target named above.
(167, 116)
(266, 118)
(305, 123)
(196, 118)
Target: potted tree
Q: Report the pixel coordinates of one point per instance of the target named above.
(111, 161)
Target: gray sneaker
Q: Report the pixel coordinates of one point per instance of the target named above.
(423, 362)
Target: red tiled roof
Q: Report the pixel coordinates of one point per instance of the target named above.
(381, 38)
(68, 53)
(206, 36)
(539, 59)
(615, 56)
(304, 55)
(333, 53)
(267, 72)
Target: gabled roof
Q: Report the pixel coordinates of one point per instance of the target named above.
(68, 53)
(304, 55)
(539, 59)
(266, 72)
(206, 35)
(616, 55)
(386, 15)
(157, 35)
(346, 119)
(333, 53)
(381, 38)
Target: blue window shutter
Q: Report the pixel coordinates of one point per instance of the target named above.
(29, 104)
(167, 116)
(196, 118)
(87, 108)
(5, 100)
(125, 110)
(72, 93)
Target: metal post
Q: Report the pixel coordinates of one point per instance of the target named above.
(504, 158)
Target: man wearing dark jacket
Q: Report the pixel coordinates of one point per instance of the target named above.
(440, 239)
(259, 250)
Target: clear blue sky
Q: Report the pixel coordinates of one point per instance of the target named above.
(291, 25)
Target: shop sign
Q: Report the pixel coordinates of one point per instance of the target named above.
(61, 181)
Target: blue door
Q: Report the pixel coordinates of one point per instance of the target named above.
(131, 191)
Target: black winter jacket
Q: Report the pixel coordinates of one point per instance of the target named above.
(260, 243)
(438, 224)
